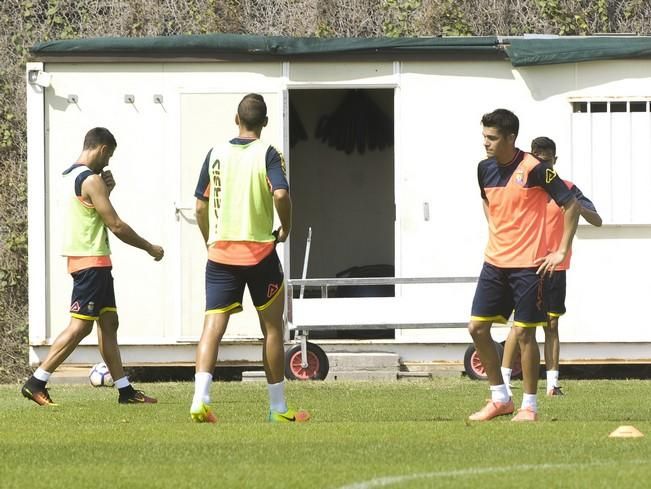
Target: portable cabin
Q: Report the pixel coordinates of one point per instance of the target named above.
(381, 139)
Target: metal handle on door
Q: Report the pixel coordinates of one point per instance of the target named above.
(426, 211)
(180, 208)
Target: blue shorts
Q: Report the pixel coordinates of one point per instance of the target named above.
(501, 291)
(225, 284)
(92, 293)
(555, 289)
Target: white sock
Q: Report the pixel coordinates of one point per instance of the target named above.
(499, 393)
(552, 379)
(202, 383)
(529, 401)
(277, 397)
(122, 383)
(41, 374)
(506, 375)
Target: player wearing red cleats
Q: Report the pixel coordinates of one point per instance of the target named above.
(289, 416)
(38, 394)
(493, 409)
(133, 396)
(202, 414)
(525, 414)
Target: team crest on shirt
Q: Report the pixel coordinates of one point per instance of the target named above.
(519, 177)
(550, 174)
(75, 307)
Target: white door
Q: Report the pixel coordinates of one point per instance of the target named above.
(208, 119)
(82, 97)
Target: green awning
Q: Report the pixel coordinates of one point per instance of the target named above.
(216, 46)
(530, 52)
(522, 51)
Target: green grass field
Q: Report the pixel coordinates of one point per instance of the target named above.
(363, 435)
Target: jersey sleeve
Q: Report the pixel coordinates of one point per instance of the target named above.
(583, 200)
(79, 181)
(276, 173)
(545, 176)
(203, 185)
(480, 181)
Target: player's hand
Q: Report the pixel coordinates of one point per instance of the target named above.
(549, 263)
(157, 252)
(281, 235)
(107, 176)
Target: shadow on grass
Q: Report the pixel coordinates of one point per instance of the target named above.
(234, 374)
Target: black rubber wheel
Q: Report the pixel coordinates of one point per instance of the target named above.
(317, 368)
(472, 363)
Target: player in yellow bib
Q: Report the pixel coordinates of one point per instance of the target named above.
(89, 214)
(239, 185)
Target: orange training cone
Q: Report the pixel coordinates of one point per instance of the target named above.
(626, 432)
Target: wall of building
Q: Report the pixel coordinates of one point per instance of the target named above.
(438, 144)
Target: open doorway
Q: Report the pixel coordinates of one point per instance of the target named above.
(342, 184)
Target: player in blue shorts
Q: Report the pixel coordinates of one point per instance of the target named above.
(544, 149)
(240, 184)
(515, 188)
(89, 213)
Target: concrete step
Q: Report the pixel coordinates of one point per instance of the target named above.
(370, 361)
(433, 369)
(254, 376)
(70, 375)
(376, 375)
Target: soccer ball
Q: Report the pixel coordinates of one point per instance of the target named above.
(100, 376)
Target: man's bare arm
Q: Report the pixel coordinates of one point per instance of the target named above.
(95, 190)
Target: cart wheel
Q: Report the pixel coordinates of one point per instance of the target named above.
(472, 363)
(317, 363)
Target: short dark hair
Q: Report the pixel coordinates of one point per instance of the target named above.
(543, 143)
(98, 136)
(504, 120)
(252, 111)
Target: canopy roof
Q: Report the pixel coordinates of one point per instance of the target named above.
(521, 51)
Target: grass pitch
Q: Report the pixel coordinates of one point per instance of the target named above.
(362, 435)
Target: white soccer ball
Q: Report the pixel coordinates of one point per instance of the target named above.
(100, 376)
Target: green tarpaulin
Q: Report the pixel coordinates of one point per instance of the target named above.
(231, 45)
(522, 51)
(528, 52)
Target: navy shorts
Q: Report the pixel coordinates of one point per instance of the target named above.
(225, 284)
(501, 291)
(555, 289)
(92, 293)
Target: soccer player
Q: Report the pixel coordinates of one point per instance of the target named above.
(89, 213)
(544, 149)
(240, 184)
(515, 187)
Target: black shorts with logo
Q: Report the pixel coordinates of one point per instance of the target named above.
(225, 284)
(556, 287)
(501, 291)
(92, 293)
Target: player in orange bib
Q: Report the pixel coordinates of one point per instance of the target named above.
(544, 149)
(515, 187)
